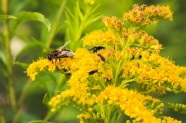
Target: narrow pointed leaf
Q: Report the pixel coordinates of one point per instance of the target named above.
(32, 16)
(7, 17)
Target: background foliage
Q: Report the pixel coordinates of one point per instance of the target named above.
(31, 39)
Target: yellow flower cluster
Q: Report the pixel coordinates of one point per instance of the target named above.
(164, 120)
(131, 102)
(141, 39)
(99, 38)
(83, 116)
(160, 72)
(178, 107)
(44, 64)
(117, 57)
(113, 23)
(78, 95)
(38, 66)
(143, 15)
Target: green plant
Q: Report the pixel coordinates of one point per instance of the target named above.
(37, 27)
(12, 25)
(119, 73)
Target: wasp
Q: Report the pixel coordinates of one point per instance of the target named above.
(60, 52)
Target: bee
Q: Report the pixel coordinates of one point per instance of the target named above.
(60, 52)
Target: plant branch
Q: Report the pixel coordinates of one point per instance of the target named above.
(8, 57)
(55, 24)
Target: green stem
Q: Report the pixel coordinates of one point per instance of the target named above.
(2, 120)
(20, 101)
(48, 115)
(16, 118)
(23, 93)
(82, 26)
(117, 120)
(8, 56)
(55, 24)
(117, 72)
(2, 114)
(108, 114)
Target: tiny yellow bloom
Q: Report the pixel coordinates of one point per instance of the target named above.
(38, 66)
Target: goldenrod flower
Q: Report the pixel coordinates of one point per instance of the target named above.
(98, 85)
(45, 64)
(113, 23)
(99, 38)
(131, 102)
(169, 120)
(143, 15)
(154, 70)
(158, 12)
(38, 66)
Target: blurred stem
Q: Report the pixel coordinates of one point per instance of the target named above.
(118, 69)
(2, 115)
(16, 118)
(8, 56)
(48, 115)
(82, 25)
(108, 118)
(2, 120)
(23, 93)
(119, 116)
(4, 6)
(55, 24)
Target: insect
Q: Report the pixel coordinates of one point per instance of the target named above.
(101, 57)
(92, 72)
(133, 57)
(60, 52)
(97, 48)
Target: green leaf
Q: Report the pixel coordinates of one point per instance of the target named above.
(92, 20)
(45, 99)
(21, 64)
(32, 16)
(94, 9)
(39, 121)
(6, 17)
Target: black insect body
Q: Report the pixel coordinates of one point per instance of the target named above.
(60, 52)
(57, 53)
(101, 57)
(93, 71)
(133, 57)
(97, 48)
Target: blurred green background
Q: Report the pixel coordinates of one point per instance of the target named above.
(170, 34)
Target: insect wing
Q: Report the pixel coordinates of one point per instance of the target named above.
(66, 53)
